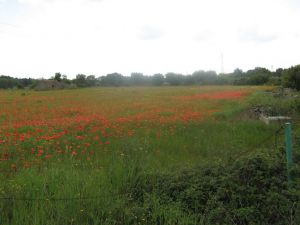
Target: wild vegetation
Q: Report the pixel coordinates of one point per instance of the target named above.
(146, 155)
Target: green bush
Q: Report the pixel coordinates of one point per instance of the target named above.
(253, 190)
(292, 77)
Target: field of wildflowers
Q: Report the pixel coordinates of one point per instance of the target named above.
(89, 143)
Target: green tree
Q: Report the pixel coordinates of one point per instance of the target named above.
(238, 72)
(91, 80)
(158, 79)
(174, 78)
(58, 77)
(137, 78)
(258, 76)
(204, 77)
(291, 77)
(8, 82)
(113, 79)
(80, 80)
(65, 79)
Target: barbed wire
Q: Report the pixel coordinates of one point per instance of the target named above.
(261, 143)
(62, 199)
(275, 134)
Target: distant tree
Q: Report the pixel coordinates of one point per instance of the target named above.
(126, 81)
(189, 80)
(174, 78)
(113, 79)
(91, 80)
(258, 76)
(291, 77)
(137, 79)
(158, 79)
(211, 76)
(26, 82)
(238, 72)
(204, 77)
(9, 82)
(80, 80)
(276, 77)
(198, 76)
(224, 79)
(278, 72)
(58, 77)
(65, 79)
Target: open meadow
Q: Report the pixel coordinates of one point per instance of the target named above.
(79, 156)
(159, 127)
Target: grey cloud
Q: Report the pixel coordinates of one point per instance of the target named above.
(150, 33)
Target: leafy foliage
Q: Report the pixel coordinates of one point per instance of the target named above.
(256, 76)
(292, 77)
(158, 79)
(10, 82)
(252, 190)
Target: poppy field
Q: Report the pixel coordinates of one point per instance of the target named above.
(66, 157)
(79, 125)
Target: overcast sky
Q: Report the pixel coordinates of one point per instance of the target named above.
(41, 37)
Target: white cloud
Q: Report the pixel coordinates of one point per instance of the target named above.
(53, 1)
(150, 33)
(103, 36)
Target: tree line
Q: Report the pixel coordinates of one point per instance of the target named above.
(289, 77)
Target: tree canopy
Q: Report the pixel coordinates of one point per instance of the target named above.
(289, 77)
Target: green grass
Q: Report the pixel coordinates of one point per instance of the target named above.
(109, 188)
(206, 143)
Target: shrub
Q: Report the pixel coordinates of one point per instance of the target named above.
(253, 190)
(292, 77)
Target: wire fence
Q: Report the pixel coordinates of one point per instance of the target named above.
(84, 198)
(274, 135)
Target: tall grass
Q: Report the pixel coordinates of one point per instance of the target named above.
(100, 182)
